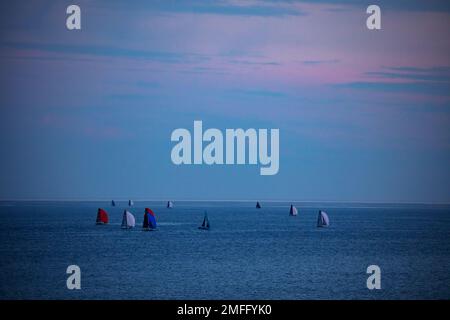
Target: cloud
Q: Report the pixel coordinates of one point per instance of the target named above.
(263, 11)
(257, 93)
(316, 62)
(108, 51)
(398, 5)
(427, 88)
(256, 63)
(433, 81)
(220, 7)
(434, 74)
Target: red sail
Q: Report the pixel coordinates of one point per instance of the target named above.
(102, 216)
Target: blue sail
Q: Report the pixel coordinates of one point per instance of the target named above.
(149, 219)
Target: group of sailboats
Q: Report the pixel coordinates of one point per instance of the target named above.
(128, 219)
(149, 224)
(130, 203)
(322, 220)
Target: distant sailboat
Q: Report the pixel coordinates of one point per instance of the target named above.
(293, 211)
(205, 225)
(322, 219)
(149, 220)
(102, 216)
(169, 204)
(130, 203)
(113, 203)
(258, 206)
(128, 220)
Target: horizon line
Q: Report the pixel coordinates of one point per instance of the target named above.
(226, 200)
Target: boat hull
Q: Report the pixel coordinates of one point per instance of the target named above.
(203, 228)
(149, 229)
(100, 223)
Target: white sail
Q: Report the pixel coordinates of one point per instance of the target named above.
(128, 220)
(322, 219)
(293, 211)
(169, 204)
(131, 221)
(130, 203)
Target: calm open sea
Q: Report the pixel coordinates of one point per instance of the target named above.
(248, 253)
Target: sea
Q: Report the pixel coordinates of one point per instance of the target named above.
(248, 253)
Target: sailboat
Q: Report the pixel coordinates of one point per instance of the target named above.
(102, 216)
(128, 220)
(113, 203)
(205, 225)
(169, 204)
(130, 203)
(293, 211)
(258, 206)
(322, 219)
(149, 220)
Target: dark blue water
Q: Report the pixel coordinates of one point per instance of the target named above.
(248, 253)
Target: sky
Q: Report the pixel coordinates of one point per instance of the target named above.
(364, 115)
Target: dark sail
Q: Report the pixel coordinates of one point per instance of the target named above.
(205, 225)
(146, 221)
